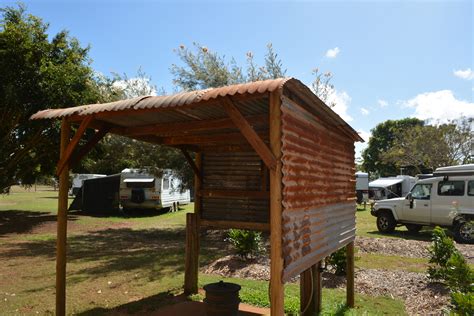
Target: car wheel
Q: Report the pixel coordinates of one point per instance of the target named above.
(464, 232)
(385, 222)
(413, 228)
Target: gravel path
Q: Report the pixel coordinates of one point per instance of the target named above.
(420, 296)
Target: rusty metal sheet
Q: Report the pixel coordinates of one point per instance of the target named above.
(318, 188)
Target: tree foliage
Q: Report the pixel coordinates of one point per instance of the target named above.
(36, 73)
(383, 137)
(430, 146)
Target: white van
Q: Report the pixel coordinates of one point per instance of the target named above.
(141, 190)
(446, 199)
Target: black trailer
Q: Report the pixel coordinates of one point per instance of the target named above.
(101, 195)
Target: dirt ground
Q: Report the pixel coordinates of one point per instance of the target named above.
(419, 295)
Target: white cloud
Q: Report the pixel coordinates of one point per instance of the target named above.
(467, 74)
(134, 87)
(342, 101)
(439, 106)
(364, 111)
(382, 103)
(333, 52)
(365, 135)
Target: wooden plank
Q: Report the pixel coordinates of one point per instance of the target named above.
(234, 193)
(350, 290)
(249, 133)
(276, 258)
(318, 287)
(307, 303)
(227, 138)
(62, 224)
(187, 127)
(191, 265)
(221, 224)
(191, 163)
(198, 186)
(88, 147)
(73, 143)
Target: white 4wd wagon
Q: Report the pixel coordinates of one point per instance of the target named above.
(446, 199)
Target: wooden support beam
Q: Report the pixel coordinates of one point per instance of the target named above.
(88, 147)
(350, 294)
(62, 224)
(264, 227)
(191, 265)
(318, 287)
(227, 138)
(73, 143)
(191, 163)
(276, 254)
(234, 193)
(249, 133)
(310, 290)
(191, 126)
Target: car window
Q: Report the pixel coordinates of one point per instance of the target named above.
(470, 188)
(421, 192)
(451, 188)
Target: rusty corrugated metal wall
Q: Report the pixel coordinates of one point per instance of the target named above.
(234, 173)
(318, 189)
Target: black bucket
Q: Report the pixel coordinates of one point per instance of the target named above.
(222, 299)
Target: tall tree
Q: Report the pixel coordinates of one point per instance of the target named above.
(36, 73)
(431, 146)
(382, 139)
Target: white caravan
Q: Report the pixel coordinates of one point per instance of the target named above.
(391, 187)
(141, 190)
(362, 186)
(446, 199)
(78, 181)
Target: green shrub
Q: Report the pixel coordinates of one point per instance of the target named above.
(440, 251)
(247, 243)
(463, 303)
(337, 260)
(459, 276)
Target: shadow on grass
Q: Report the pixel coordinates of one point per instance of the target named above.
(136, 213)
(18, 222)
(148, 304)
(155, 252)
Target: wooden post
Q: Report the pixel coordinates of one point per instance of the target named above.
(310, 291)
(276, 257)
(350, 275)
(318, 287)
(191, 266)
(62, 225)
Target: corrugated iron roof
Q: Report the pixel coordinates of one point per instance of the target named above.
(193, 97)
(175, 100)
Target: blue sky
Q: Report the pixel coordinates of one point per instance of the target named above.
(390, 59)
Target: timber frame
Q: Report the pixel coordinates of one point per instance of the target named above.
(246, 122)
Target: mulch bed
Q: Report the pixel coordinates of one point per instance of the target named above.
(420, 296)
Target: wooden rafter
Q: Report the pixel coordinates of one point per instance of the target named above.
(88, 146)
(249, 133)
(229, 138)
(73, 143)
(191, 162)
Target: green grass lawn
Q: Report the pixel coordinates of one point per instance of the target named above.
(121, 263)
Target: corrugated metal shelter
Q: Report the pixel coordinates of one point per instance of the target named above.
(270, 156)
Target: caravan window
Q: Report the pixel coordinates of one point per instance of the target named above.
(166, 183)
(470, 188)
(451, 188)
(140, 184)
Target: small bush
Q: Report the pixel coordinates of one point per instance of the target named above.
(463, 303)
(459, 276)
(247, 243)
(449, 265)
(441, 250)
(337, 260)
